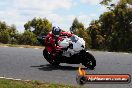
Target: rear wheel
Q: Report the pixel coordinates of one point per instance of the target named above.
(50, 58)
(89, 61)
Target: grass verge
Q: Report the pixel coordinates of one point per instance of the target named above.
(7, 83)
(25, 46)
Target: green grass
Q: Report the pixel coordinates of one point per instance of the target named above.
(4, 83)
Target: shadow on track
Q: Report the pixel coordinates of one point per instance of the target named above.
(49, 67)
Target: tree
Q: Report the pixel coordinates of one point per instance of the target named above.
(113, 30)
(76, 25)
(4, 36)
(105, 2)
(116, 26)
(27, 38)
(13, 34)
(94, 30)
(78, 29)
(38, 25)
(8, 33)
(3, 26)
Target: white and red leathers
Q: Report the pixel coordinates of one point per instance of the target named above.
(51, 42)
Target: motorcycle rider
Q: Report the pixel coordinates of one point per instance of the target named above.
(53, 38)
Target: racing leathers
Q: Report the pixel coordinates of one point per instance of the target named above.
(51, 41)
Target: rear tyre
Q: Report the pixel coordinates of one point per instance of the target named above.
(49, 58)
(89, 61)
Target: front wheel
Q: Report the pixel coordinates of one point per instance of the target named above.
(49, 58)
(89, 61)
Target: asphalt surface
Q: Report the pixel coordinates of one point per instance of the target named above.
(29, 64)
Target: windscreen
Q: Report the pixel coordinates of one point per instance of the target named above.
(74, 38)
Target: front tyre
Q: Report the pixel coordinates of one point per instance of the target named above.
(89, 61)
(49, 58)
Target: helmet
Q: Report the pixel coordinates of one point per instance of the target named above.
(56, 31)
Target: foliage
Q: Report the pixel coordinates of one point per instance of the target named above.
(8, 34)
(97, 40)
(105, 2)
(78, 28)
(27, 38)
(38, 26)
(4, 37)
(113, 28)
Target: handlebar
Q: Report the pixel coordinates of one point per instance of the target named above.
(41, 39)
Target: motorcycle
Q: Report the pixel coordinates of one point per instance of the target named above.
(72, 52)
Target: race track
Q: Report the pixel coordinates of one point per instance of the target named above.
(29, 64)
